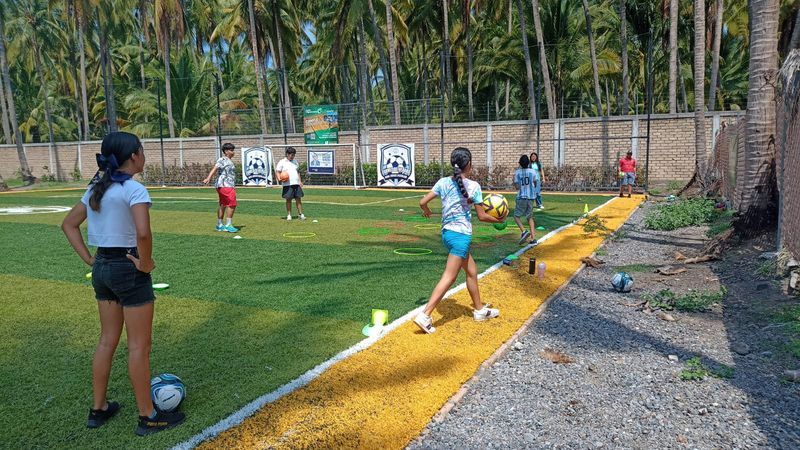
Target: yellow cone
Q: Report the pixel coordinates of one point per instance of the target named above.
(586, 208)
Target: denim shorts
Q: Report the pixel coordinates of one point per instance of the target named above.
(523, 207)
(115, 278)
(456, 243)
(629, 179)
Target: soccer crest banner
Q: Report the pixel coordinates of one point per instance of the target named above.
(321, 124)
(396, 165)
(257, 166)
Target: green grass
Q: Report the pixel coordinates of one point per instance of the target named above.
(241, 318)
(696, 371)
(693, 301)
(791, 317)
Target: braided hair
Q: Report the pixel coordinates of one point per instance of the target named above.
(116, 148)
(460, 159)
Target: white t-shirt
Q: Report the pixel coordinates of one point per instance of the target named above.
(285, 165)
(456, 211)
(113, 225)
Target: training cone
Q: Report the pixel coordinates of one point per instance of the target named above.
(380, 318)
(586, 208)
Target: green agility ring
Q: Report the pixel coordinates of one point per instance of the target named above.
(427, 226)
(411, 251)
(374, 231)
(299, 235)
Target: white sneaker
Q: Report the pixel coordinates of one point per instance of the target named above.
(485, 314)
(302, 217)
(425, 323)
(289, 217)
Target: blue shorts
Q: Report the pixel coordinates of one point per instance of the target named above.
(629, 179)
(457, 243)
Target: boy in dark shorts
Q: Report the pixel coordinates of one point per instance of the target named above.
(292, 184)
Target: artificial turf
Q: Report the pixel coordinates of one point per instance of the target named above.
(241, 317)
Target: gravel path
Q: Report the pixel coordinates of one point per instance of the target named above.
(623, 389)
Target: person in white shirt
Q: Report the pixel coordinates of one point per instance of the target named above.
(292, 184)
(118, 211)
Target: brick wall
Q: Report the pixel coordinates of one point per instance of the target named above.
(586, 142)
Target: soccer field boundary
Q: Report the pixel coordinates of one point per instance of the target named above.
(177, 199)
(249, 409)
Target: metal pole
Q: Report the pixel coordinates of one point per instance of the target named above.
(219, 118)
(283, 77)
(358, 139)
(161, 136)
(649, 109)
(441, 118)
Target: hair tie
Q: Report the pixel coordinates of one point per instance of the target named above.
(109, 165)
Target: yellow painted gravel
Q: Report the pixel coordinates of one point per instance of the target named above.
(385, 395)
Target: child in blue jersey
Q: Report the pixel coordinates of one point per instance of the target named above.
(458, 195)
(118, 210)
(526, 181)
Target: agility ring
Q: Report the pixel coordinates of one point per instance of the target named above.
(428, 226)
(415, 219)
(299, 235)
(412, 251)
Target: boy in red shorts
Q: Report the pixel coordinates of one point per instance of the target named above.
(226, 188)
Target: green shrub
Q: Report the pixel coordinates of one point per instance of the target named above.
(683, 213)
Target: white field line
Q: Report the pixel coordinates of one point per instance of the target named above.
(306, 378)
(195, 199)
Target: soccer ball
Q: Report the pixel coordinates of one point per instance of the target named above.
(167, 392)
(622, 282)
(496, 206)
(283, 176)
(396, 164)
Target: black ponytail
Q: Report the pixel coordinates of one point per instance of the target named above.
(116, 148)
(460, 159)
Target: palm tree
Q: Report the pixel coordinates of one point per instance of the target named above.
(623, 39)
(448, 72)
(169, 27)
(699, 88)
(106, 20)
(24, 168)
(379, 44)
(673, 55)
(548, 88)
(755, 179)
(4, 111)
(712, 87)
(257, 65)
(528, 66)
(467, 19)
(82, 16)
(393, 61)
(594, 57)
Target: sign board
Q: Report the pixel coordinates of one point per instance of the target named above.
(321, 124)
(257, 166)
(396, 165)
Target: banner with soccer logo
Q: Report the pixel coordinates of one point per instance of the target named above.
(257, 166)
(396, 165)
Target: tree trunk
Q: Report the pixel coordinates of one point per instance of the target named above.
(362, 77)
(595, 75)
(712, 87)
(673, 56)
(684, 97)
(379, 44)
(699, 89)
(795, 40)
(24, 168)
(48, 115)
(623, 36)
(270, 113)
(756, 182)
(287, 99)
(528, 67)
(393, 62)
(143, 29)
(448, 73)
(108, 81)
(3, 185)
(84, 96)
(168, 86)
(4, 110)
(548, 89)
(467, 20)
(257, 66)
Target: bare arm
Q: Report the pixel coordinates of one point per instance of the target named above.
(541, 169)
(210, 174)
(144, 238)
(71, 227)
(485, 217)
(423, 203)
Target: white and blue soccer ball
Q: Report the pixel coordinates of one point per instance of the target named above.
(622, 282)
(167, 392)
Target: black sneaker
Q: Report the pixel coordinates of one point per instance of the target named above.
(162, 421)
(98, 417)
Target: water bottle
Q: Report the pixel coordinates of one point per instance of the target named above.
(532, 266)
(542, 267)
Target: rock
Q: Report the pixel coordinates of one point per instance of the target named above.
(794, 281)
(766, 354)
(666, 316)
(702, 411)
(673, 358)
(682, 439)
(768, 255)
(518, 345)
(792, 264)
(740, 348)
(529, 438)
(792, 375)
